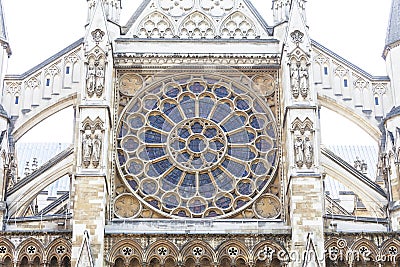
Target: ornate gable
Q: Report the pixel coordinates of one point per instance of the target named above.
(197, 19)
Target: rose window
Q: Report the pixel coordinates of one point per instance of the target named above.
(197, 146)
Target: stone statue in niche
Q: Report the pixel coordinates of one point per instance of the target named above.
(95, 79)
(91, 150)
(299, 151)
(308, 152)
(91, 79)
(295, 79)
(96, 143)
(99, 80)
(86, 150)
(304, 78)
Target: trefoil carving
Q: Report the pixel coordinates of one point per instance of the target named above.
(297, 37)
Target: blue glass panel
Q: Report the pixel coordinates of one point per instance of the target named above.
(159, 122)
(135, 167)
(235, 168)
(206, 188)
(242, 153)
(237, 90)
(211, 132)
(272, 158)
(149, 187)
(150, 153)
(223, 181)
(171, 202)
(221, 112)
(197, 128)
(158, 168)
(263, 145)
(216, 145)
(242, 104)
(150, 104)
(178, 145)
(245, 188)
(197, 145)
(154, 203)
(259, 168)
(223, 202)
(271, 131)
(133, 184)
(234, 123)
(197, 88)
(121, 158)
(172, 92)
(261, 184)
(153, 137)
(197, 162)
(171, 180)
(221, 91)
(241, 137)
(257, 123)
(210, 157)
(134, 107)
(240, 203)
(182, 213)
(257, 106)
(188, 107)
(172, 111)
(212, 214)
(183, 133)
(130, 144)
(197, 207)
(123, 131)
(188, 187)
(136, 122)
(205, 106)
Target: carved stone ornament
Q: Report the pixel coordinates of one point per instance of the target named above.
(92, 133)
(97, 35)
(297, 37)
(303, 143)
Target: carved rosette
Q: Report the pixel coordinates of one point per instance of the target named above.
(303, 143)
(92, 142)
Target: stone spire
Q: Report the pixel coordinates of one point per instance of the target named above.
(112, 9)
(393, 31)
(3, 31)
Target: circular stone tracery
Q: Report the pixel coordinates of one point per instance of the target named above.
(197, 146)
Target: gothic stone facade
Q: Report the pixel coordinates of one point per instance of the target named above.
(197, 143)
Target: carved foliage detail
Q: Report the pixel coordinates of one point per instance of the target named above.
(92, 136)
(303, 136)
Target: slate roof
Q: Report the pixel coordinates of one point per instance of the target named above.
(393, 31)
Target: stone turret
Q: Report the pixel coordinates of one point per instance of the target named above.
(391, 52)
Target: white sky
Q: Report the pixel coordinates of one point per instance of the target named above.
(354, 29)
